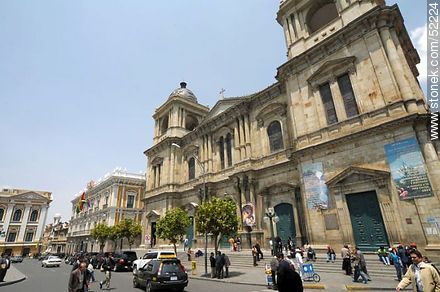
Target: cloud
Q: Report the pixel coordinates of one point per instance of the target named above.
(419, 37)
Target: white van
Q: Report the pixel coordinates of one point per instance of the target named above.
(160, 254)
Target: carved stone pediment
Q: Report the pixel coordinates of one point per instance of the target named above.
(30, 196)
(330, 70)
(355, 174)
(153, 213)
(222, 105)
(157, 160)
(271, 110)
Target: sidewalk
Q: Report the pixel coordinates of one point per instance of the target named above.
(329, 281)
(13, 276)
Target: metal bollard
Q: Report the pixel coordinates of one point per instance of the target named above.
(193, 267)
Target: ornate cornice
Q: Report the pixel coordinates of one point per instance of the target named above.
(376, 18)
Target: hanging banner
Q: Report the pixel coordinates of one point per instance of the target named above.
(316, 192)
(407, 169)
(248, 215)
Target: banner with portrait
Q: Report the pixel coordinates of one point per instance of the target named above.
(316, 192)
(407, 169)
(248, 212)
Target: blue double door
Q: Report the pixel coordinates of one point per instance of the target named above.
(367, 222)
(286, 225)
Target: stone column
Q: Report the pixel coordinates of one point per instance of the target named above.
(236, 145)
(172, 165)
(398, 71)
(7, 220)
(242, 138)
(210, 154)
(41, 222)
(248, 135)
(24, 222)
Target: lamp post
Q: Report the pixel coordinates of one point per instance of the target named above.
(271, 216)
(203, 172)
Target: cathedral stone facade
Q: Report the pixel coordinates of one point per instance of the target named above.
(338, 146)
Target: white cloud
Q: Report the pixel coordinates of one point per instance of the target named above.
(419, 37)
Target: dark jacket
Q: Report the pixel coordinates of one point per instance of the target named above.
(212, 261)
(108, 264)
(219, 262)
(288, 280)
(75, 284)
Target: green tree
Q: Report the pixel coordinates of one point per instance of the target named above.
(101, 232)
(218, 217)
(114, 235)
(127, 228)
(173, 226)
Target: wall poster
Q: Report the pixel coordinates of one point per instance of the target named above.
(316, 192)
(407, 169)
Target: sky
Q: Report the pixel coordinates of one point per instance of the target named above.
(80, 80)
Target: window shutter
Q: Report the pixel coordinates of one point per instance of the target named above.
(348, 96)
(329, 106)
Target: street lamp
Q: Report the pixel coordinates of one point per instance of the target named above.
(203, 172)
(271, 216)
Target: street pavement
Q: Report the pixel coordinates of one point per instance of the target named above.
(241, 279)
(55, 280)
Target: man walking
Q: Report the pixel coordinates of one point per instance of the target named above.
(212, 262)
(77, 280)
(346, 260)
(227, 264)
(423, 277)
(219, 263)
(357, 262)
(108, 265)
(4, 266)
(287, 278)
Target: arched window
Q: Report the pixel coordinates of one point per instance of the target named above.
(191, 168)
(275, 136)
(321, 15)
(191, 122)
(222, 152)
(228, 142)
(17, 215)
(2, 213)
(34, 216)
(164, 124)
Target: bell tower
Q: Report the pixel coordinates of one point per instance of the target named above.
(179, 115)
(309, 22)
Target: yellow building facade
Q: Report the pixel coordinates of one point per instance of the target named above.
(22, 219)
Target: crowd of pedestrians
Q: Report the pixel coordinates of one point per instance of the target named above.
(83, 271)
(220, 264)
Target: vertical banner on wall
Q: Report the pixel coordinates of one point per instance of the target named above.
(248, 215)
(407, 169)
(316, 191)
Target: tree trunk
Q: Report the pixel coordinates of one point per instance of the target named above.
(175, 248)
(215, 243)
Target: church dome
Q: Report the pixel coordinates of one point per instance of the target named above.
(183, 92)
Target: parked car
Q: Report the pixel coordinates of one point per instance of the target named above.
(162, 254)
(124, 260)
(16, 259)
(161, 274)
(51, 261)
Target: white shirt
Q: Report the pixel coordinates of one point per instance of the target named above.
(418, 278)
(299, 258)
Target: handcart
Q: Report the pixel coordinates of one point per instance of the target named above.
(308, 273)
(268, 272)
